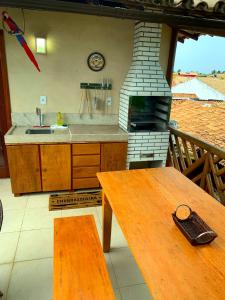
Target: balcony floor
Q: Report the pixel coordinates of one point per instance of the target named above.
(26, 250)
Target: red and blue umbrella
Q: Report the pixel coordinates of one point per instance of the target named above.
(15, 30)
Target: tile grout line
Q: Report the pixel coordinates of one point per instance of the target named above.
(114, 272)
(130, 285)
(121, 297)
(34, 259)
(13, 263)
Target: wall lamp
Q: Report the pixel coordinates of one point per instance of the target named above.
(41, 45)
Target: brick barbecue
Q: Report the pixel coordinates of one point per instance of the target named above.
(145, 78)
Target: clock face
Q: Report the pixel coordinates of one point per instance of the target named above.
(96, 61)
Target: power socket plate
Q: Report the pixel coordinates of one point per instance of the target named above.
(43, 100)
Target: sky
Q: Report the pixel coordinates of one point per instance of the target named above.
(204, 56)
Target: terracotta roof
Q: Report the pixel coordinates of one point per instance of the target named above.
(179, 79)
(205, 119)
(218, 83)
(184, 96)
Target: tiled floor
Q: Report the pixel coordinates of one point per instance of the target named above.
(26, 250)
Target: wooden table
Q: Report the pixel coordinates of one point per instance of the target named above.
(143, 201)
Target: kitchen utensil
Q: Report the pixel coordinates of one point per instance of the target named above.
(85, 101)
(95, 99)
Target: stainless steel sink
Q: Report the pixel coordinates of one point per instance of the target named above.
(39, 131)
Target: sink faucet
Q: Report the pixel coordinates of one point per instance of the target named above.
(38, 112)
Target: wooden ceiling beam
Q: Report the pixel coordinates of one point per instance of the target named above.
(193, 36)
(182, 21)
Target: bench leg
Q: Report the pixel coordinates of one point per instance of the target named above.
(1, 294)
(107, 222)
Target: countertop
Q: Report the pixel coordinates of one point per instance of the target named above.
(74, 133)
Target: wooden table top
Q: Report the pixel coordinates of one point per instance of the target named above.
(143, 201)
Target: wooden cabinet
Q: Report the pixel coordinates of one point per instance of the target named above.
(24, 167)
(113, 156)
(88, 148)
(35, 168)
(51, 167)
(55, 167)
(86, 160)
(86, 163)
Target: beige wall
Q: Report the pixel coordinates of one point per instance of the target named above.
(70, 39)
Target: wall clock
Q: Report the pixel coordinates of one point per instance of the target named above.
(96, 61)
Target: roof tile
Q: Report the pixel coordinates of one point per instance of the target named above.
(204, 119)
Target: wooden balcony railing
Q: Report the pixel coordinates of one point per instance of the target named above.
(200, 161)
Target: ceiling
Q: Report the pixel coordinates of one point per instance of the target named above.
(189, 16)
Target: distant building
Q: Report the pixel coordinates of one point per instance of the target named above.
(196, 89)
(192, 74)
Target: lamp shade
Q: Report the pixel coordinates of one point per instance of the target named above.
(41, 45)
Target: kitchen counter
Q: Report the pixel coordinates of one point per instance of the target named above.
(74, 133)
(89, 133)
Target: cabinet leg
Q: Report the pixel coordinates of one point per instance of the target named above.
(17, 195)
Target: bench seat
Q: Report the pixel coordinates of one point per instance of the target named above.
(80, 270)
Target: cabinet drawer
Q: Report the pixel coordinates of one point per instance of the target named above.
(86, 160)
(83, 183)
(83, 172)
(79, 149)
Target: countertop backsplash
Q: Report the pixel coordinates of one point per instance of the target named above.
(31, 119)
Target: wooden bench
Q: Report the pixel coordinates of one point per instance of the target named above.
(80, 270)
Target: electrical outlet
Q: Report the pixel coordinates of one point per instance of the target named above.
(109, 101)
(43, 99)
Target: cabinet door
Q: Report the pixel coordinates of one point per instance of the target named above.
(24, 167)
(56, 167)
(113, 156)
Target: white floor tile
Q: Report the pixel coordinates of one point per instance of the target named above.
(32, 249)
(81, 212)
(5, 272)
(117, 238)
(140, 292)
(99, 213)
(111, 271)
(38, 201)
(12, 220)
(5, 185)
(35, 244)
(78, 211)
(31, 280)
(8, 245)
(125, 267)
(39, 218)
(117, 294)
(11, 202)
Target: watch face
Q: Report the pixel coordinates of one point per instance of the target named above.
(96, 61)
